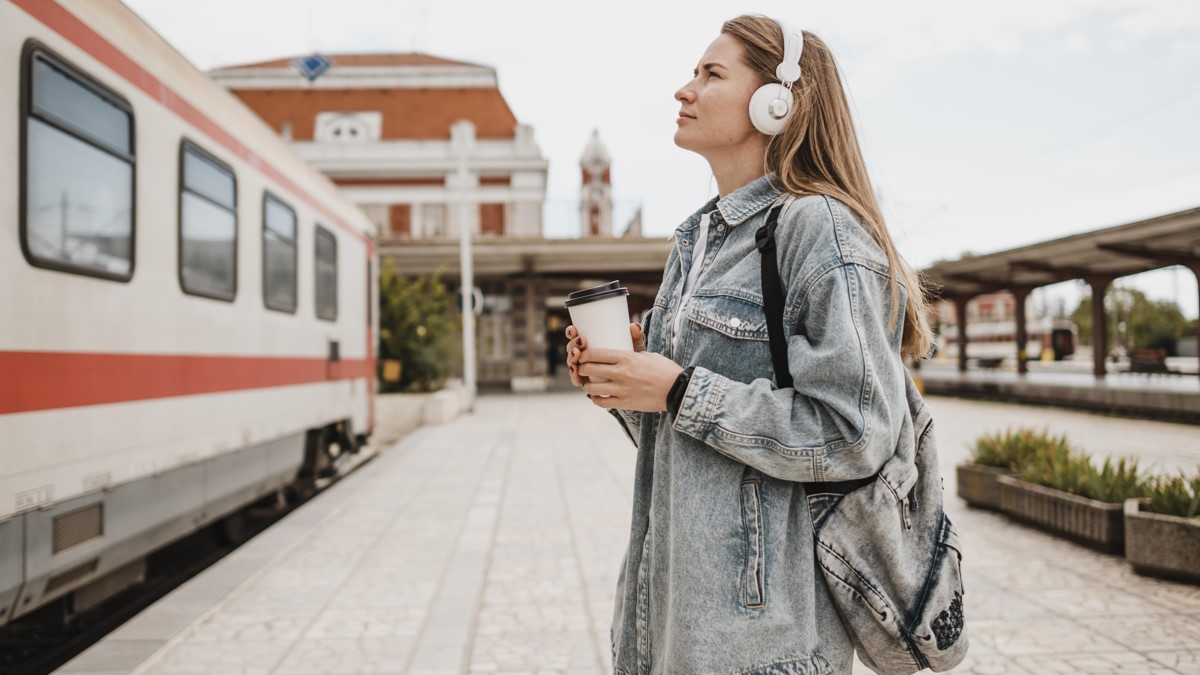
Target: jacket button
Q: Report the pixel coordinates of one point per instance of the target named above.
(735, 322)
(720, 228)
(683, 242)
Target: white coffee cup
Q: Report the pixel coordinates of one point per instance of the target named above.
(601, 314)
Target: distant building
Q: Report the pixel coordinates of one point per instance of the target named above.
(382, 126)
(389, 129)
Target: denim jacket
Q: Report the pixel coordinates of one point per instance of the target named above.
(719, 575)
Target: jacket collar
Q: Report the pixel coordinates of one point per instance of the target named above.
(740, 205)
(748, 200)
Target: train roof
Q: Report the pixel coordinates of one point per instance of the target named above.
(162, 72)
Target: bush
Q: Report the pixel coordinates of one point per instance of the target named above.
(1071, 472)
(416, 327)
(1050, 461)
(1175, 495)
(1012, 449)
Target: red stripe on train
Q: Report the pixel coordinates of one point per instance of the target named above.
(70, 27)
(50, 380)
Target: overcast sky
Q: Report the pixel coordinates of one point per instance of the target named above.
(984, 126)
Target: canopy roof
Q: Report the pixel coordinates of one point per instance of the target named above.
(1172, 239)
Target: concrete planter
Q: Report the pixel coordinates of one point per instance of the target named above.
(1087, 521)
(1162, 546)
(977, 484)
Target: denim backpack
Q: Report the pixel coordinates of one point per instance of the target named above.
(890, 556)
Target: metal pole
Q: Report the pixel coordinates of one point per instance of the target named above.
(467, 277)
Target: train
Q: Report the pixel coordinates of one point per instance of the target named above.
(186, 306)
(1046, 339)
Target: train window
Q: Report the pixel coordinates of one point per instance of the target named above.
(77, 165)
(326, 275)
(207, 225)
(279, 255)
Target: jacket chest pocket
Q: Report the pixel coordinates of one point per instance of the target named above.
(731, 316)
(727, 334)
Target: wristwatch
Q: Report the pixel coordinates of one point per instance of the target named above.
(675, 396)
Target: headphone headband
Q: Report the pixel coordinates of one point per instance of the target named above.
(788, 70)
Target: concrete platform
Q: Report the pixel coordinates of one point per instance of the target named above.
(1167, 397)
(491, 544)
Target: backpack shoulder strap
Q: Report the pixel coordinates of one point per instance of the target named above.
(772, 292)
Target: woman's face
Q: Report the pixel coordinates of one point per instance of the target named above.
(714, 105)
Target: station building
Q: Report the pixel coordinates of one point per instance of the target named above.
(412, 137)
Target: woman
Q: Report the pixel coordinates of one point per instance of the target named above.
(719, 576)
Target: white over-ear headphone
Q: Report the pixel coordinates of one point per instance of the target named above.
(771, 105)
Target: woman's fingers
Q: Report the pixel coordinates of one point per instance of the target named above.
(639, 340)
(602, 370)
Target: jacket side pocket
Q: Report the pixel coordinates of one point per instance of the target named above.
(753, 575)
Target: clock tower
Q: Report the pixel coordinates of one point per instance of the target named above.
(595, 200)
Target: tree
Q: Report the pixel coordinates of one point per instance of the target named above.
(416, 327)
(1147, 323)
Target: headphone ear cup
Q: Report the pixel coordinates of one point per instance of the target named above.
(760, 109)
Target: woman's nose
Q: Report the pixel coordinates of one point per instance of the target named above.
(685, 94)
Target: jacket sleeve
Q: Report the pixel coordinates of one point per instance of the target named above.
(842, 417)
(631, 423)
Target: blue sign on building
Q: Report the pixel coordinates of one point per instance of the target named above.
(311, 67)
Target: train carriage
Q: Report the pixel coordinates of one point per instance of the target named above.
(185, 306)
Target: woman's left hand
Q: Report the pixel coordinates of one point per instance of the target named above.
(636, 380)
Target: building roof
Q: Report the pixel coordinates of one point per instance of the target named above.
(354, 60)
(1154, 243)
(408, 114)
(419, 95)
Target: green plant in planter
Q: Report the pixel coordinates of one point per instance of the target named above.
(1060, 468)
(1175, 495)
(1013, 448)
(1115, 481)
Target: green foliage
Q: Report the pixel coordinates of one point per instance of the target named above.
(1042, 459)
(1013, 448)
(1148, 323)
(1113, 482)
(417, 327)
(1175, 495)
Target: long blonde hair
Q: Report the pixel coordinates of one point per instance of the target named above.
(818, 153)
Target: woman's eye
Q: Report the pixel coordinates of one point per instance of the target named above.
(712, 74)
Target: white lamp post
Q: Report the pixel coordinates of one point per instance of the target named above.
(462, 134)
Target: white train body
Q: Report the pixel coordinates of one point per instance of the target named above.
(133, 411)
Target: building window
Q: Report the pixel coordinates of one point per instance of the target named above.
(348, 127)
(400, 220)
(326, 275)
(279, 255)
(491, 218)
(433, 220)
(78, 171)
(207, 225)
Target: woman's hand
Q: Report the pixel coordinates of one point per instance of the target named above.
(636, 380)
(578, 343)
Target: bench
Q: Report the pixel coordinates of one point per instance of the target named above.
(1147, 360)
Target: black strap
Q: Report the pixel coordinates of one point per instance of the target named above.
(772, 291)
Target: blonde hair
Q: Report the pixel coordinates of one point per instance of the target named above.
(818, 153)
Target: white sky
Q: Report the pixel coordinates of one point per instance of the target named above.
(985, 126)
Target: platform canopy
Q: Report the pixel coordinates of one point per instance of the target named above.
(1172, 239)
